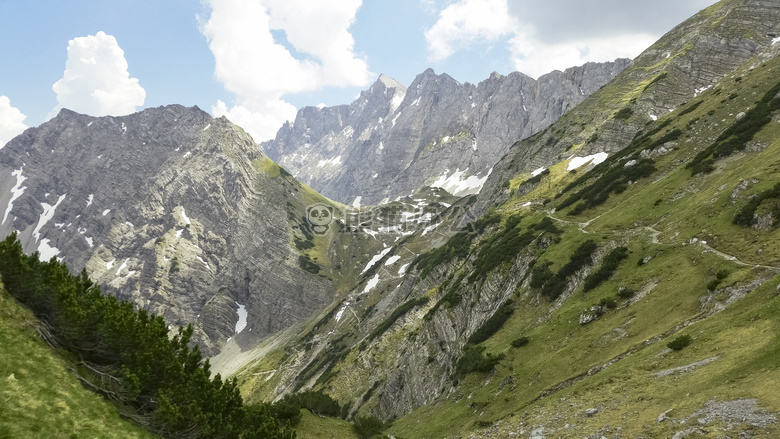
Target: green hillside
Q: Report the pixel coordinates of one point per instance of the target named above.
(690, 271)
(39, 396)
(635, 298)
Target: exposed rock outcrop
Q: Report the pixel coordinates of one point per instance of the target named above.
(394, 140)
(168, 208)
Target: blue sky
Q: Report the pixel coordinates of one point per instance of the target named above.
(257, 61)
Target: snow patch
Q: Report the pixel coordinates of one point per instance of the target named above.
(699, 91)
(653, 117)
(356, 203)
(341, 312)
(207, 127)
(110, 264)
(402, 271)
(179, 232)
(331, 162)
(430, 229)
(105, 212)
(538, 171)
(16, 191)
(594, 159)
(398, 98)
(205, 263)
(89, 241)
(416, 101)
(124, 128)
(523, 100)
(457, 186)
(775, 40)
(184, 216)
(187, 154)
(46, 251)
(48, 213)
(242, 316)
(396, 117)
(376, 259)
(392, 260)
(121, 267)
(89, 199)
(371, 283)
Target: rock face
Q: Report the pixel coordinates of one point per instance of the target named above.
(168, 208)
(394, 140)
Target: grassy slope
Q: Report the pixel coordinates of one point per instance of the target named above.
(315, 427)
(745, 336)
(39, 397)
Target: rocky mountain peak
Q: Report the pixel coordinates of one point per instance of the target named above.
(169, 208)
(390, 82)
(393, 141)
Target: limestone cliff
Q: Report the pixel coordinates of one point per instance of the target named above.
(394, 140)
(171, 209)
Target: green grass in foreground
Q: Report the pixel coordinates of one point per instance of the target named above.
(316, 427)
(39, 397)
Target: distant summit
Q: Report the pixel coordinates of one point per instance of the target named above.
(394, 140)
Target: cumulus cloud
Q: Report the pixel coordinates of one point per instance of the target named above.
(11, 121)
(467, 21)
(544, 35)
(96, 80)
(266, 49)
(535, 58)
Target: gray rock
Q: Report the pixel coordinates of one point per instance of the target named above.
(165, 208)
(392, 140)
(591, 412)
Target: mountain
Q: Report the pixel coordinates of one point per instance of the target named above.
(617, 276)
(621, 279)
(171, 209)
(394, 140)
(685, 62)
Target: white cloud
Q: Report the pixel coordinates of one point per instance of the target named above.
(260, 70)
(11, 121)
(465, 22)
(535, 58)
(545, 35)
(96, 80)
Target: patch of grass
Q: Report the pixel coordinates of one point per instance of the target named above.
(312, 426)
(736, 137)
(268, 167)
(40, 396)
